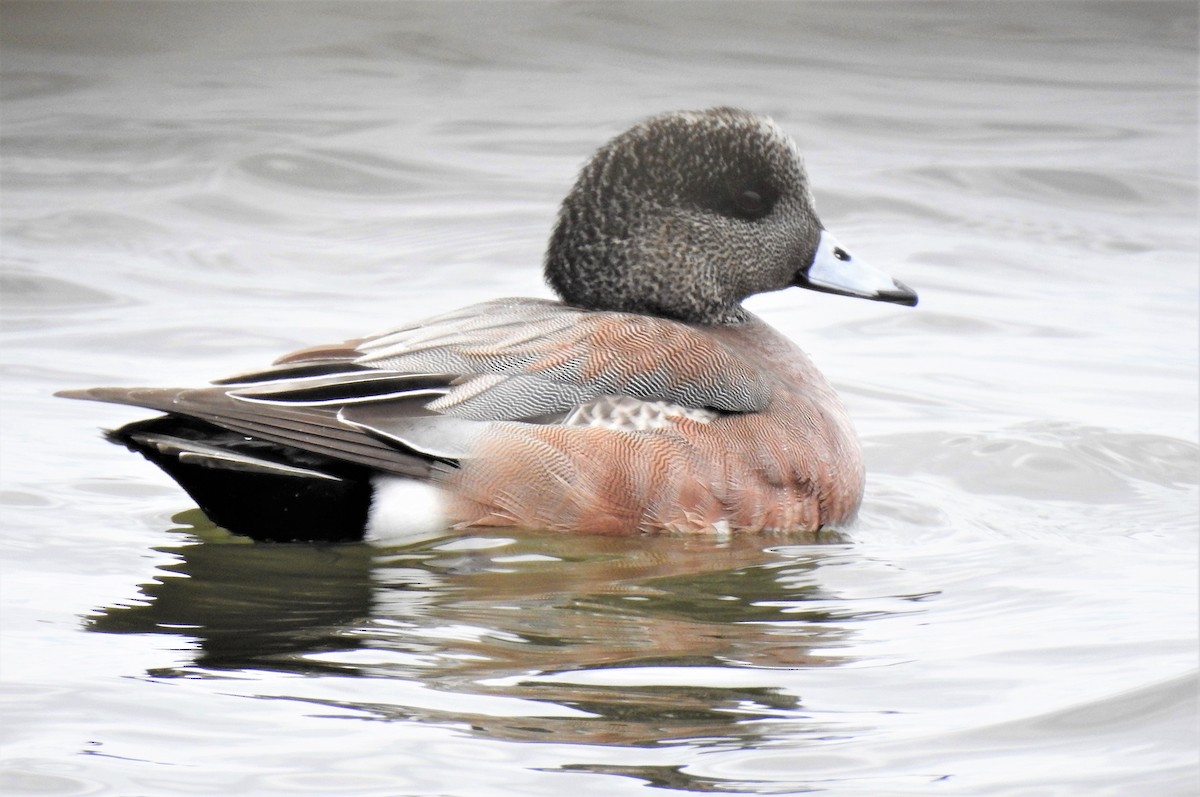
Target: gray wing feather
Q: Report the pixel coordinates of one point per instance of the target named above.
(556, 357)
(518, 397)
(312, 429)
(410, 400)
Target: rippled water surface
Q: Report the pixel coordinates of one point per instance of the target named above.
(190, 189)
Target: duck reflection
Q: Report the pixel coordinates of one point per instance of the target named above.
(513, 615)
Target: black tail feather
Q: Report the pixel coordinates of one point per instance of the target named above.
(265, 491)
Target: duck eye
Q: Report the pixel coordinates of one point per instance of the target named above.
(752, 204)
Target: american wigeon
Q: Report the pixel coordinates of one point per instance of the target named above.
(647, 400)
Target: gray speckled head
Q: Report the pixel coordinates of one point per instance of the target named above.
(684, 216)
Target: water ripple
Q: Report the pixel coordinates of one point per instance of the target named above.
(342, 172)
(16, 85)
(1043, 461)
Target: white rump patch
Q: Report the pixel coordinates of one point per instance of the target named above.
(405, 511)
(625, 414)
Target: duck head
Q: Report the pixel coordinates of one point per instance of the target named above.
(688, 213)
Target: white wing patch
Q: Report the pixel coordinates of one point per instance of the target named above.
(625, 414)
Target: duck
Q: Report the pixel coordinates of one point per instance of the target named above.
(645, 399)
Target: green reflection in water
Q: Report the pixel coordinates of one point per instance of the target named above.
(633, 641)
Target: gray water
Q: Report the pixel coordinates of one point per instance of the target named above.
(191, 189)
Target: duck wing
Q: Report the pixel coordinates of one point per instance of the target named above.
(416, 397)
(522, 358)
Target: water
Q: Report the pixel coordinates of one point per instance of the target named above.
(191, 189)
